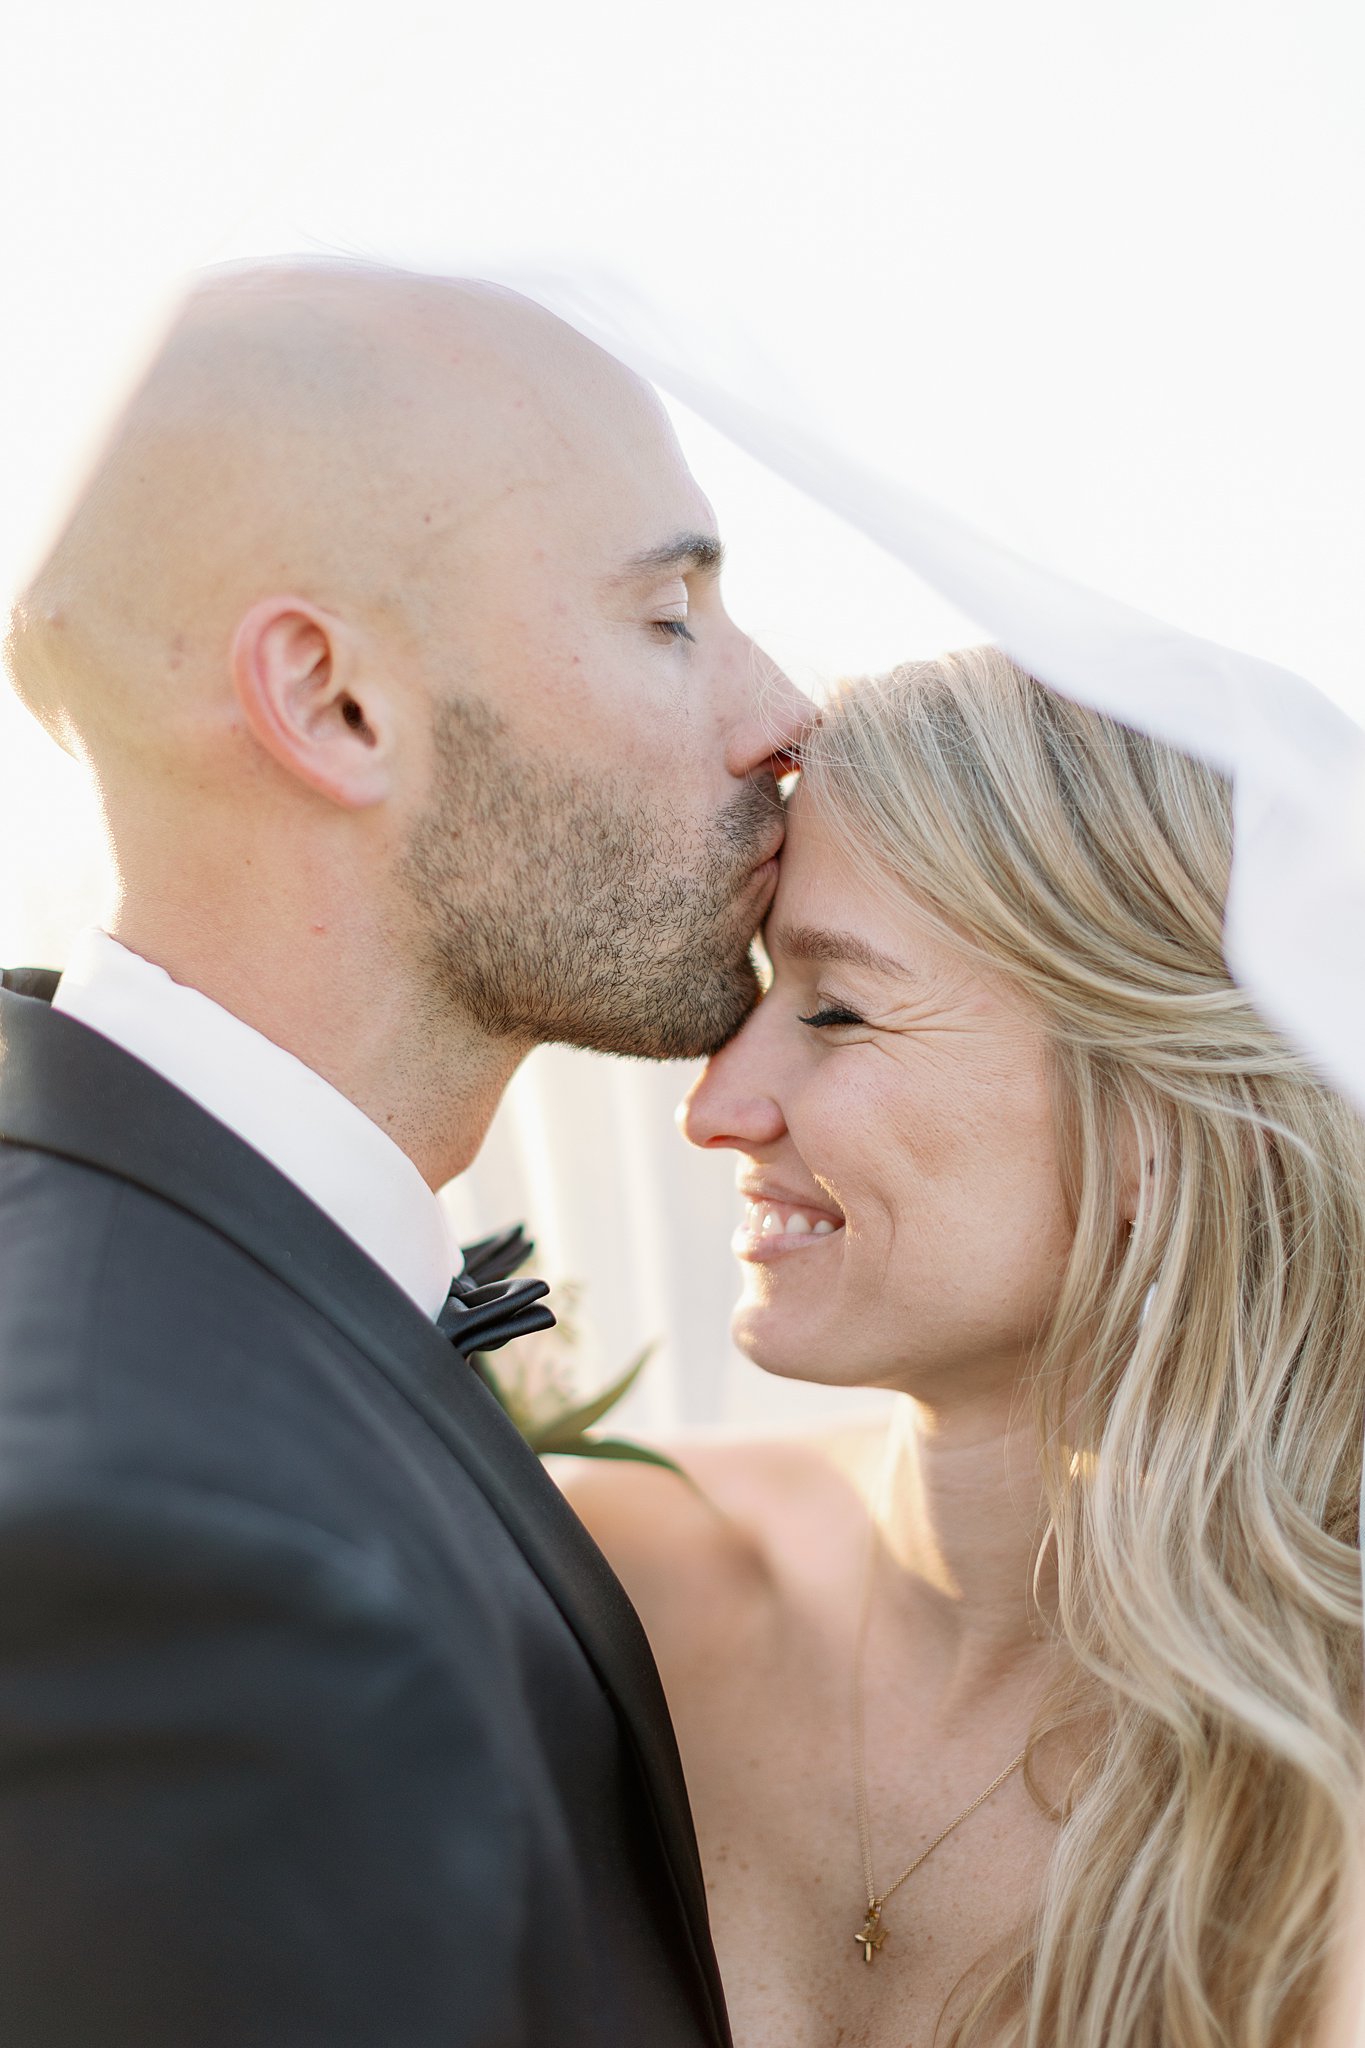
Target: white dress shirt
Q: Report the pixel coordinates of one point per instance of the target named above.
(310, 1132)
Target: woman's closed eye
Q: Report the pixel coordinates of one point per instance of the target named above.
(676, 629)
(830, 1017)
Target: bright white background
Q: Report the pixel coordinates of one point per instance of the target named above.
(1086, 272)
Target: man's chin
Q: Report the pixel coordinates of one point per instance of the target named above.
(687, 1023)
(735, 1002)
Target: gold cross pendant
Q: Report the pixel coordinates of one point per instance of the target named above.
(871, 1934)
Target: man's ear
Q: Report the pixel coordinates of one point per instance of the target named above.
(295, 671)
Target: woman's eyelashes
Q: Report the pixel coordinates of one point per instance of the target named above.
(676, 629)
(830, 1016)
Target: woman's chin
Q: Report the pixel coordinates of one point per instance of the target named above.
(776, 1344)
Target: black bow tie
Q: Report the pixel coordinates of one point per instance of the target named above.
(486, 1309)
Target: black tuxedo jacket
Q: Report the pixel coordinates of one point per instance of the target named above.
(322, 1720)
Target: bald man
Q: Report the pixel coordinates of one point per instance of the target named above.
(390, 630)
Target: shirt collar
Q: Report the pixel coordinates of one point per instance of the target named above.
(306, 1128)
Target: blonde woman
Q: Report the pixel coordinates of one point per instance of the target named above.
(1038, 1722)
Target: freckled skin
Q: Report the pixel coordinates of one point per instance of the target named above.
(928, 1125)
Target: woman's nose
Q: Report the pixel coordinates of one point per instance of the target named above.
(732, 1101)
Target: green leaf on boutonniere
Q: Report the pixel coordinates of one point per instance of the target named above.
(622, 1447)
(569, 1425)
(530, 1383)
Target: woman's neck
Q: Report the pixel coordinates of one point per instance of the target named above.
(961, 1522)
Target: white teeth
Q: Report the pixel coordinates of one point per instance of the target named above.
(767, 1219)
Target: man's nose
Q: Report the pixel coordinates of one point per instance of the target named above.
(779, 715)
(731, 1103)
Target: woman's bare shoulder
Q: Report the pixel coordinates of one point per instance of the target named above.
(718, 1542)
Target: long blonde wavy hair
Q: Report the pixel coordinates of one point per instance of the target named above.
(1201, 1390)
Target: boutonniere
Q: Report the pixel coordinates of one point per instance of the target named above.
(536, 1380)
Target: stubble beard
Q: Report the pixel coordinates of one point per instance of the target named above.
(558, 909)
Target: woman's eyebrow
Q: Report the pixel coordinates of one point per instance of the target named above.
(815, 942)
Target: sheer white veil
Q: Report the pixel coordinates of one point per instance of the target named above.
(1295, 928)
(1295, 931)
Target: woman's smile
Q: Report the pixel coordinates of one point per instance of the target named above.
(777, 1222)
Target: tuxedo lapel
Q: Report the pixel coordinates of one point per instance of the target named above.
(66, 1090)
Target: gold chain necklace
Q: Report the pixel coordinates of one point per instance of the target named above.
(872, 1934)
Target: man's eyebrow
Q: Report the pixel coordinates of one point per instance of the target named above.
(814, 942)
(684, 551)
